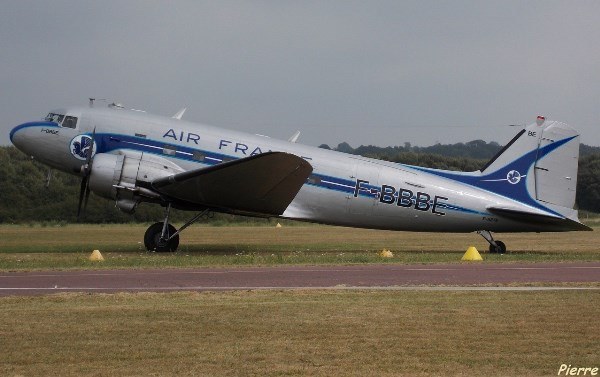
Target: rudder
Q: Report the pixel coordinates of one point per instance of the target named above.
(556, 171)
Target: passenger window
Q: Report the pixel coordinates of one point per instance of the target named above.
(70, 122)
(198, 156)
(169, 150)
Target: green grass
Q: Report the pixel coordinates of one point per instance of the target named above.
(63, 247)
(293, 333)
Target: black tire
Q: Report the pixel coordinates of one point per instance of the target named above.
(499, 249)
(152, 239)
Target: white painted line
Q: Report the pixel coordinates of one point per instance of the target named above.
(218, 271)
(142, 145)
(502, 268)
(336, 184)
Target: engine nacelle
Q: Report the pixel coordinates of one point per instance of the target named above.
(117, 177)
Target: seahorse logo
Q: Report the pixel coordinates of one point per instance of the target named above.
(80, 147)
(513, 177)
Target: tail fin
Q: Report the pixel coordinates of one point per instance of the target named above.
(537, 169)
(545, 154)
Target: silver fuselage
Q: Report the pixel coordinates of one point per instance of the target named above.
(343, 189)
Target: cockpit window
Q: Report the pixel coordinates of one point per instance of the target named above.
(56, 118)
(70, 122)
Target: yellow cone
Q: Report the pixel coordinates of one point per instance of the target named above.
(96, 256)
(472, 254)
(385, 253)
(278, 225)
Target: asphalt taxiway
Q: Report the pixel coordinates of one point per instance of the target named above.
(471, 276)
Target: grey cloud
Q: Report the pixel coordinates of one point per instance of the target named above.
(381, 72)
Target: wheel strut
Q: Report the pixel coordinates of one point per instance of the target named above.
(190, 222)
(163, 236)
(495, 246)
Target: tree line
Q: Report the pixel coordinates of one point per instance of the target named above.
(26, 197)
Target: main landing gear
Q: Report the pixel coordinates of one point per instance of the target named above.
(495, 246)
(163, 237)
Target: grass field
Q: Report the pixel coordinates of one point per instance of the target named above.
(39, 247)
(291, 333)
(327, 333)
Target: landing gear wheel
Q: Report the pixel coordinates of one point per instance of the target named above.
(500, 248)
(153, 241)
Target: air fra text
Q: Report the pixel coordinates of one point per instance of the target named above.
(187, 137)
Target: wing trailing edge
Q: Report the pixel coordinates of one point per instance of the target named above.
(262, 184)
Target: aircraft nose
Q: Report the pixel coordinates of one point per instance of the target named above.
(16, 135)
(20, 135)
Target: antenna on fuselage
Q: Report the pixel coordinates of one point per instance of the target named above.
(92, 100)
(116, 105)
(179, 114)
(294, 137)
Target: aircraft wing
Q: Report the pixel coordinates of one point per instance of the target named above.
(263, 184)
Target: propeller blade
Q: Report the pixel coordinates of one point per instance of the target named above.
(87, 196)
(82, 189)
(90, 150)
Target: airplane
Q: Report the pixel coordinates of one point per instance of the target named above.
(131, 157)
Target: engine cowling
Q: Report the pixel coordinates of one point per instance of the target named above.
(118, 177)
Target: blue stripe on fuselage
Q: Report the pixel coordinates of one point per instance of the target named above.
(107, 142)
(112, 142)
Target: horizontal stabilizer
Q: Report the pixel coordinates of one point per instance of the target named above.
(537, 217)
(261, 184)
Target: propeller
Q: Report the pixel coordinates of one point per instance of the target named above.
(86, 169)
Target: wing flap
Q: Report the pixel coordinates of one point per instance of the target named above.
(262, 184)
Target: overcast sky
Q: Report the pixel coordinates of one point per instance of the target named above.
(365, 72)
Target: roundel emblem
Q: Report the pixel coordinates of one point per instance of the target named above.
(80, 145)
(513, 177)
